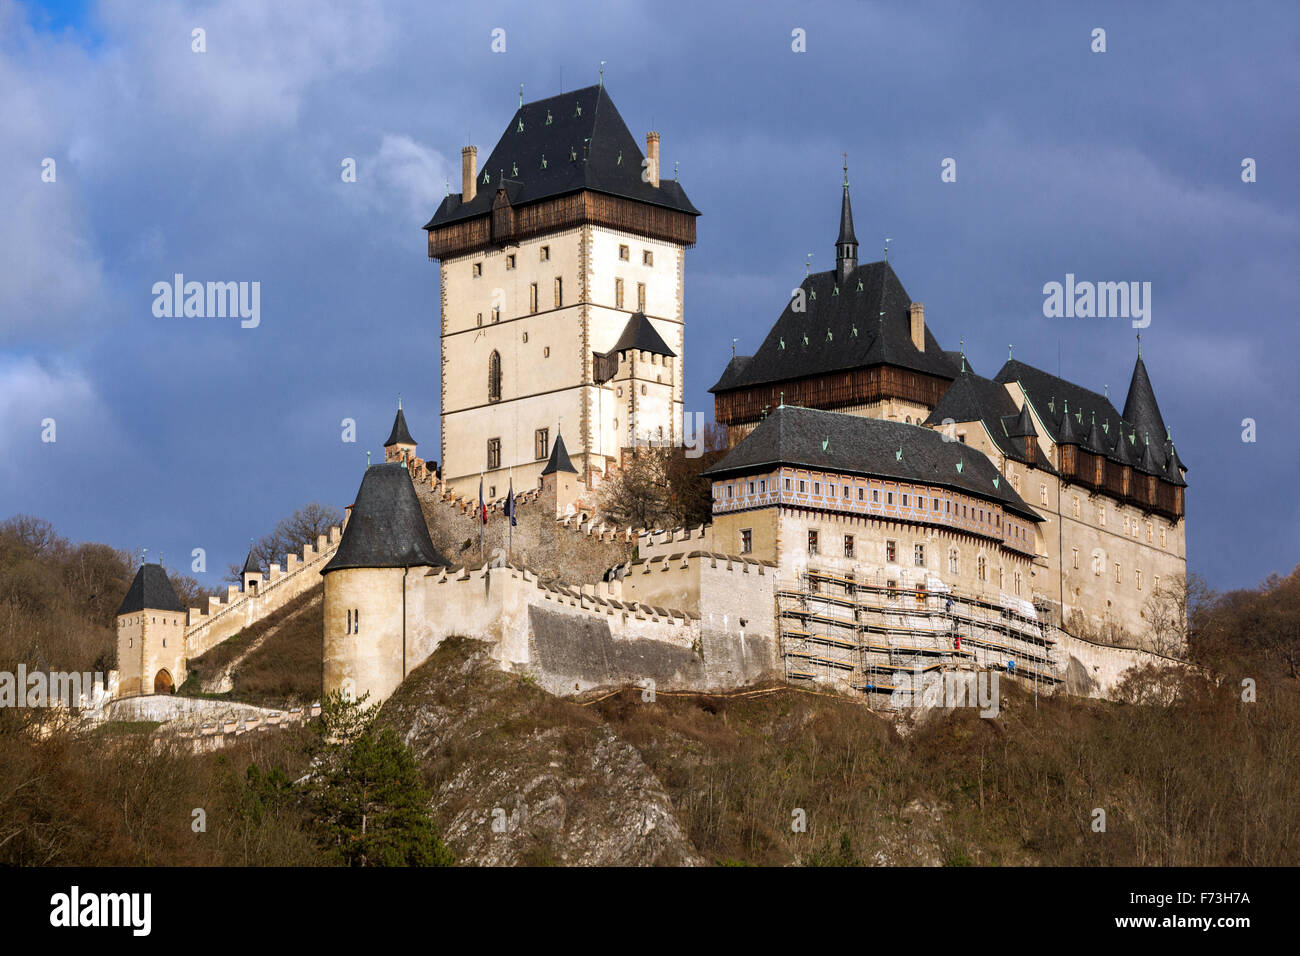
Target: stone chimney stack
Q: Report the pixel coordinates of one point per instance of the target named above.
(652, 154)
(468, 173)
(916, 313)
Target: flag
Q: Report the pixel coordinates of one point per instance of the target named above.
(482, 505)
(510, 504)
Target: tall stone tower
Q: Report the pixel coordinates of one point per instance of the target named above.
(150, 635)
(560, 258)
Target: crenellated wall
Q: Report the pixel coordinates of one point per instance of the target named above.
(226, 617)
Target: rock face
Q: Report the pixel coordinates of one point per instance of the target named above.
(523, 778)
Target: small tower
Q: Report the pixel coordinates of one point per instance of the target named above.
(400, 445)
(846, 246)
(251, 575)
(150, 635)
(560, 485)
(374, 606)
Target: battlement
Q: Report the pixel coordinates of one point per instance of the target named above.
(215, 734)
(227, 616)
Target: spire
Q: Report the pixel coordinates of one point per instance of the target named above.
(559, 460)
(1140, 408)
(250, 563)
(846, 246)
(400, 435)
(150, 590)
(387, 528)
(1068, 433)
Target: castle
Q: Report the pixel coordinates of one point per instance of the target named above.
(882, 509)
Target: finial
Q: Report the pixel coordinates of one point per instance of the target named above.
(521, 94)
(602, 74)
(782, 405)
(807, 266)
(399, 401)
(144, 553)
(674, 170)
(1107, 388)
(733, 347)
(1009, 351)
(1139, 345)
(963, 354)
(846, 168)
(367, 458)
(887, 242)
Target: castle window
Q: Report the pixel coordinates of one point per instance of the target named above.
(862, 494)
(891, 552)
(559, 292)
(640, 296)
(496, 315)
(1162, 537)
(817, 487)
(961, 437)
(1017, 583)
(918, 555)
(541, 443)
(1096, 565)
(954, 561)
(762, 486)
(889, 497)
(731, 490)
(1117, 576)
(545, 253)
(848, 546)
(1042, 493)
(642, 389)
(812, 542)
(492, 492)
(532, 297)
(803, 486)
(356, 620)
(510, 261)
(546, 351)
(746, 540)
(751, 487)
(524, 337)
(787, 484)
(493, 453)
(478, 269)
(494, 376)
(904, 500)
(1002, 579)
(618, 293)
(1076, 506)
(1138, 574)
(1076, 557)
(982, 568)
(875, 496)
(1150, 531)
(846, 491)
(623, 253)
(647, 258)
(480, 318)
(1101, 515)
(1155, 583)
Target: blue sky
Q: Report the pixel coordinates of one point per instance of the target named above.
(174, 434)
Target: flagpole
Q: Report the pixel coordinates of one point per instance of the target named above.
(479, 516)
(510, 547)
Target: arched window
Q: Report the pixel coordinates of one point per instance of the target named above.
(494, 377)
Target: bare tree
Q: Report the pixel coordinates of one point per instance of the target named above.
(302, 527)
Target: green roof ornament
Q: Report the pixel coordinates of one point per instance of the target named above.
(959, 465)
(548, 117)
(826, 443)
(859, 285)
(829, 337)
(543, 160)
(805, 339)
(855, 330)
(514, 168)
(520, 127)
(898, 455)
(782, 344)
(997, 481)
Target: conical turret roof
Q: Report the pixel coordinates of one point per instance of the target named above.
(150, 590)
(559, 460)
(387, 528)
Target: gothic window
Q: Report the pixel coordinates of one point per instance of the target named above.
(812, 542)
(541, 443)
(982, 568)
(618, 293)
(559, 292)
(848, 546)
(494, 453)
(954, 562)
(532, 297)
(640, 296)
(1042, 493)
(891, 552)
(494, 377)
(623, 253)
(918, 555)
(746, 540)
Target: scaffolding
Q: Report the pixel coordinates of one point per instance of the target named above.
(861, 636)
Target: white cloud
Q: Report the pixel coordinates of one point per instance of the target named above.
(31, 393)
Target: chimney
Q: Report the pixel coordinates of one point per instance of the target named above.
(916, 313)
(652, 154)
(468, 173)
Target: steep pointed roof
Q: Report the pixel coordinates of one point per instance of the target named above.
(559, 460)
(151, 590)
(1069, 430)
(251, 564)
(846, 219)
(862, 323)
(852, 444)
(1173, 465)
(387, 527)
(640, 334)
(400, 435)
(1023, 427)
(1096, 440)
(560, 145)
(1147, 462)
(1140, 407)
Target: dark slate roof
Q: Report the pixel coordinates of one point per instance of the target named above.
(400, 435)
(856, 445)
(1140, 408)
(151, 590)
(559, 460)
(867, 326)
(586, 145)
(387, 528)
(1114, 436)
(251, 565)
(640, 334)
(972, 398)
